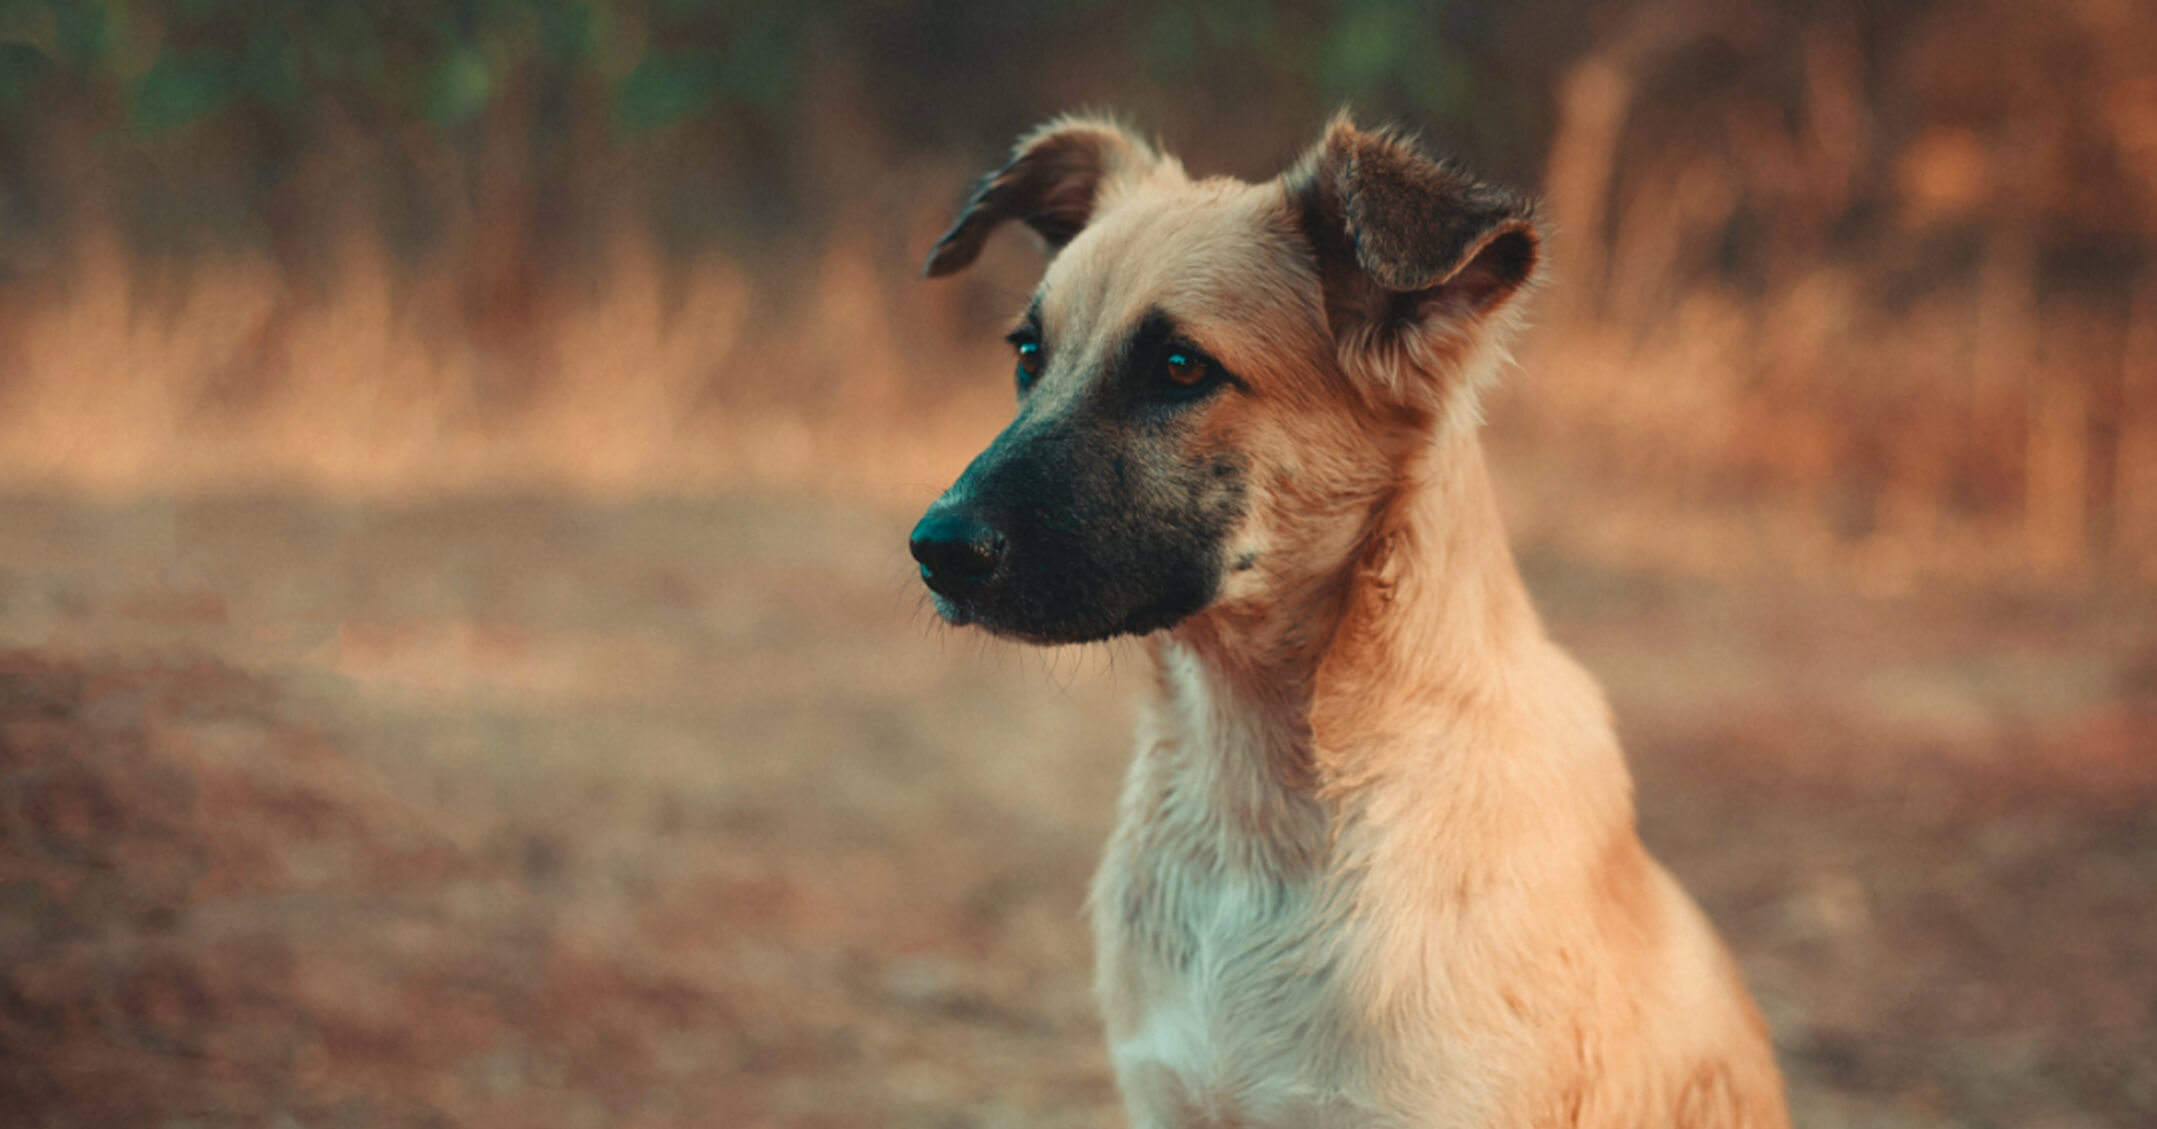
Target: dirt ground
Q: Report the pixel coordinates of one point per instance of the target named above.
(532, 813)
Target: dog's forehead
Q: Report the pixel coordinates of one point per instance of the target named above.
(1211, 254)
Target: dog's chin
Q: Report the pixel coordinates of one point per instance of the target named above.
(951, 611)
(1044, 632)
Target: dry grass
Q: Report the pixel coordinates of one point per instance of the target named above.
(1866, 310)
(1800, 432)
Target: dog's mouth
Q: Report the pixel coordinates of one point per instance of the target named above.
(961, 613)
(1043, 619)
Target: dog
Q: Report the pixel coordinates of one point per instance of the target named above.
(1375, 861)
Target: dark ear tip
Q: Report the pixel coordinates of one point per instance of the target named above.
(945, 258)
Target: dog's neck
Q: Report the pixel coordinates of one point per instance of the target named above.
(1430, 613)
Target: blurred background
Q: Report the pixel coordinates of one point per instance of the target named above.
(462, 666)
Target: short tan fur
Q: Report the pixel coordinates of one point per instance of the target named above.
(1375, 861)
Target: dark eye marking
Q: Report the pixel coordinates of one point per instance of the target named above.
(1166, 365)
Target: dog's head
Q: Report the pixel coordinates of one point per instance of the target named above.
(1217, 381)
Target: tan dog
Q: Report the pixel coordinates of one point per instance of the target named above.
(1376, 864)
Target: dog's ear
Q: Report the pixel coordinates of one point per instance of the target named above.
(1417, 258)
(1057, 175)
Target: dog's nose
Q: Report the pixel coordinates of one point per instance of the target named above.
(957, 552)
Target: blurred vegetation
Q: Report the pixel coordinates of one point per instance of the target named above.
(217, 101)
(1889, 267)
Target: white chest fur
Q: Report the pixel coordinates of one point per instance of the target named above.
(1240, 1021)
(1218, 925)
(1485, 944)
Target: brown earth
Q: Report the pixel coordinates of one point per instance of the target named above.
(544, 813)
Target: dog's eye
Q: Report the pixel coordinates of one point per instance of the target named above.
(1185, 369)
(1029, 363)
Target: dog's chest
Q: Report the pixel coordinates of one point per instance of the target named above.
(1217, 924)
(1237, 1022)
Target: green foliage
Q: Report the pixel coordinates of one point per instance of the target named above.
(571, 30)
(175, 64)
(665, 87)
(660, 62)
(82, 32)
(1396, 52)
(180, 88)
(663, 61)
(1379, 43)
(22, 68)
(458, 88)
(748, 58)
(760, 60)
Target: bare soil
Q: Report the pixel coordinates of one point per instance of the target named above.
(535, 813)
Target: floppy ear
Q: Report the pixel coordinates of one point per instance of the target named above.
(1418, 259)
(1056, 176)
